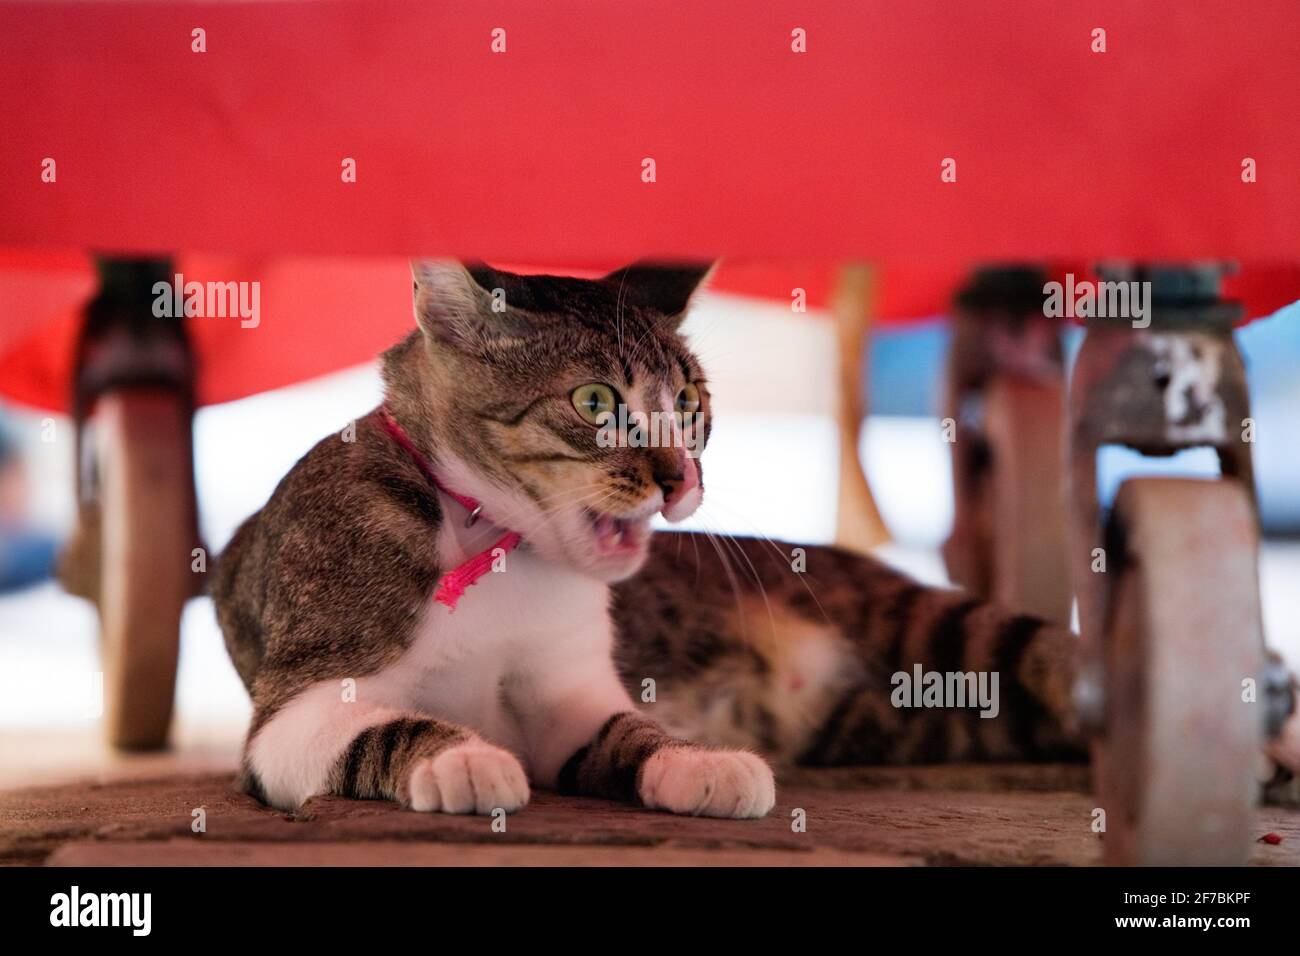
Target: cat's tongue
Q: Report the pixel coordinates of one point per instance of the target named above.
(618, 535)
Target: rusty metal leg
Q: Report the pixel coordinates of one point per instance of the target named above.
(1158, 391)
(1168, 588)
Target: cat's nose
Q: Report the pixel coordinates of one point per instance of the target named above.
(679, 483)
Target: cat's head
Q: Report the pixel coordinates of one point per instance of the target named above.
(571, 408)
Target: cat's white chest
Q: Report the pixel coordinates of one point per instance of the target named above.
(512, 633)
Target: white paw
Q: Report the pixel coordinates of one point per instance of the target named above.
(708, 783)
(473, 777)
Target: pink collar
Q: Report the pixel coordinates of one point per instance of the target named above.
(453, 583)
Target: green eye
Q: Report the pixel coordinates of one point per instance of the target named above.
(593, 401)
(688, 400)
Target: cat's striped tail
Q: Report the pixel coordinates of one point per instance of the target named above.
(823, 656)
(947, 677)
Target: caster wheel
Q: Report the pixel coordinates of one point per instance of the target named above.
(147, 521)
(1008, 538)
(1177, 758)
(1028, 528)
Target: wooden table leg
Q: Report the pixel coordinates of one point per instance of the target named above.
(858, 524)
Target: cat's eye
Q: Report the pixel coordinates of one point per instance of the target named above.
(594, 400)
(688, 400)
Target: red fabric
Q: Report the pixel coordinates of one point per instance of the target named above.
(317, 316)
(535, 155)
(917, 288)
(321, 315)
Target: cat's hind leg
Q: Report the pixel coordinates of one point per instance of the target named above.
(321, 743)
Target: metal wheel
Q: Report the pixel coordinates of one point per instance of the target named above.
(1177, 757)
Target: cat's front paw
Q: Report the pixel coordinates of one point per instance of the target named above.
(708, 783)
(472, 777)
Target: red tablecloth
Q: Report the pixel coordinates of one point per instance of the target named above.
(537, 154)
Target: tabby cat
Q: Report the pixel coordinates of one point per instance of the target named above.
(593, 657)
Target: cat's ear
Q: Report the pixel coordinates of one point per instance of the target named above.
(455, 303)
(664, 288)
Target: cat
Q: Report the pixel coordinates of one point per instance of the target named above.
(465, 599)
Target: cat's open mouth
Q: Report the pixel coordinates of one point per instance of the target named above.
(617, 535)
